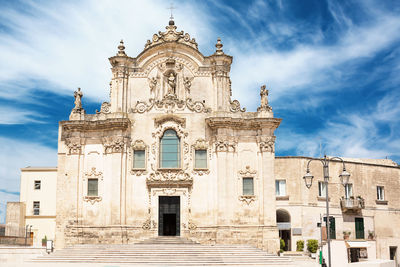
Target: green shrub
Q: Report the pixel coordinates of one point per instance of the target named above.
(312, 245)
(282, 245)
(299, 245)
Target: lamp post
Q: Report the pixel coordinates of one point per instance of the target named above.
(344, 179)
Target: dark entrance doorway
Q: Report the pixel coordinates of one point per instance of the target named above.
(169, 216)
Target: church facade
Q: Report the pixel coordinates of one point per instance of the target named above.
(171, 154)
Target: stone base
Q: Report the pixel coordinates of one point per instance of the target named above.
(262, 237)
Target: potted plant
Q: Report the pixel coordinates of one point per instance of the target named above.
(346, 235)
(312, 246)
(44, 241)
(299, 245)
(282, 246)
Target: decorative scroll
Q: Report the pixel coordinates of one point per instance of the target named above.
(235, 107)
(113, 144)
(247, 199)
(225, 146)
(105, 107)
(169, 104)
(92, 199)
(267, 144)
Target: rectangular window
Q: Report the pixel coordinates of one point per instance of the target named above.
(359, 228)
(380, 193)
(37, 184)
(280, 187)
(139, 159)
(93, 187)
(348, 190)
(332, 227)
(36, 207)
(248, 186)
(321, 189)
(200, 157)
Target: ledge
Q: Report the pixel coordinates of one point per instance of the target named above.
(323, 199)
(282, 197)
(381, 202)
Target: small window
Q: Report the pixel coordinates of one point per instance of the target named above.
(36, 207)
(348, 190)
(37, 185)
(200, 157)
(139, 159)
(93, 187)
(321, 189)
(380, 192)
(280, 188)
(248, 186)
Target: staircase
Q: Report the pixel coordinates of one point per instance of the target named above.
(165, 251)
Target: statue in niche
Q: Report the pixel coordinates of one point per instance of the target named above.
(264, 96)
(171, 84)
(78, 99)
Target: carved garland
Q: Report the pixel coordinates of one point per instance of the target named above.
(225, 146)
(170, 104)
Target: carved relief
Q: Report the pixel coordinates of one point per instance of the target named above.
(113, 144)
(94, 174)
(247, 173)
(170, 104)
(169, 178)
(247, 199)
(267, 144)
(235, 107)
(171, 35)
(225, 146)
(187, 82)
(200, 144)
(74, 145)
(146, 225)
(192, 225)
(139, 145)
(92, 199)
(161, 120)
(105, 107)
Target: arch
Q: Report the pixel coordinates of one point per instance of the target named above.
(170, 149)
(282, 216)
(284, 226)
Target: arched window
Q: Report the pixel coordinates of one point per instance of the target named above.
(170, 154)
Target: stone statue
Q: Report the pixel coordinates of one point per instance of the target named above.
(264, 96)
(152, 83)
(188, 83)
(171, 84)
(78, 99)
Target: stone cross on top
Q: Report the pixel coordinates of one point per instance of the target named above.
(171, 8)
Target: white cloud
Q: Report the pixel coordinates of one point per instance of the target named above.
(10, 115)
(315, 67)
(68, 43)
(15, 155)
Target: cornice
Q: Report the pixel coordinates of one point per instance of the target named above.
(108, 124)
(243, 123)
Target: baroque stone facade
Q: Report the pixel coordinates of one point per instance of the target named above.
(169, 86)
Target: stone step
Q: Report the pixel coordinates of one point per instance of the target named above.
(177, 253)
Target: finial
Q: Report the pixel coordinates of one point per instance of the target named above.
(121, 49)
(219, 46)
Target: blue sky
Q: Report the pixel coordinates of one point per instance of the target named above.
(332, 69)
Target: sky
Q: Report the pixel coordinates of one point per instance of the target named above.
(332, 69)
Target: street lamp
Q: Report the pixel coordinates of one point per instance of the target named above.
(344, 179)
